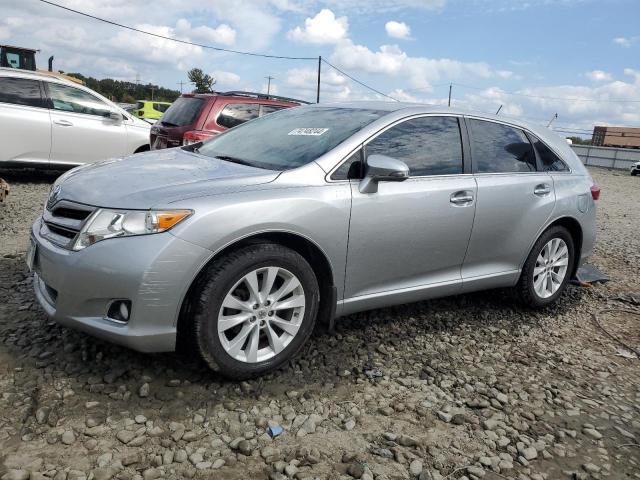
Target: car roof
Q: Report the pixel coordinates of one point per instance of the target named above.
(35, 75)
(253, 98)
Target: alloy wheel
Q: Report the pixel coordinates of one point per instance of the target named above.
(261, 314)
(551, 267)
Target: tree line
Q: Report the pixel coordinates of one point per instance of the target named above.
(127, 92)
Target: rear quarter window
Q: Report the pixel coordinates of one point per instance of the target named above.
(21, 91)
(549, 160)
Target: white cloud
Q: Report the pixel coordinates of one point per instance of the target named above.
(599, 76)
(418, 71)
(325, 27)
(222, 34)
(397, 29)
(622, 41)
(226, 79)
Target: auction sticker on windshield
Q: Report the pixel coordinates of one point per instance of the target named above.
(313, 132)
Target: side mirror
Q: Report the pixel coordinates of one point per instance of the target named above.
(380, 168)
(116, 116)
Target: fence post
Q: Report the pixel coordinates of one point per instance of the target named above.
(586, 160)
(615, 155)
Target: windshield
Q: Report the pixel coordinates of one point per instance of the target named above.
(289, 138)
(182, 112)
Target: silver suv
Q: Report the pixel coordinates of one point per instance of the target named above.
(240, 245)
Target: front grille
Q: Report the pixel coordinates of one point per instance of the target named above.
(63, 221)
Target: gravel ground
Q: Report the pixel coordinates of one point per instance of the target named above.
(470, 387)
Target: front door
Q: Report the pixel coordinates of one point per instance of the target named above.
(81, 130)
(411, 235)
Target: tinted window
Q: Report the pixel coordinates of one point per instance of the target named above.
(236, 113)
(550, 161)
(160, 107)
(20, 91)
(267, 109)
(350, 168)
(428, 145)
(289, 138)
(70, 99)
(499, 148)
(182, 112)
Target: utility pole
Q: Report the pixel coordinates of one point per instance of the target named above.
(181, 83)
(318, 89)
(152, 94)
(450, 87)
(552, 119)
(269, 78)
(499, 108)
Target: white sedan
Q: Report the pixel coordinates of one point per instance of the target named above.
(51, 122)
(635, 169)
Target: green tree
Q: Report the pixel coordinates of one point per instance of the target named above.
(203, 81)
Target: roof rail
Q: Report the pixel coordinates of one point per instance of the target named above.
(264, 96)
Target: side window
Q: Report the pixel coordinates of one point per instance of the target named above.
(499, 148)
(237, 113)
(350, 168)
(20, 91)
(267, 109)
(159, 107)
(550, 161)
(428, 145)
(70, 99)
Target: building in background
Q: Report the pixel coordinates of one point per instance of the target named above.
(625, 137)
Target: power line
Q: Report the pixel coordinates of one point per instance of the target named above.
(186, 42)
(359, 82)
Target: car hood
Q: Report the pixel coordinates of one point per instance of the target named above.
(154, 179)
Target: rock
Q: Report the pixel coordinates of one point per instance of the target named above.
(407, 441)
(270, 454)
(125, 436)
(350, 424)
(16, 475)
(68, 437)
(245, 448)
(591, 468)
(445, 417)
(477, 471)
(143, 392)
(356, 470)
(180, 456)
(415, 468)
(104, 473)
(592, 433)
(219, 463)
(203, 465)
(151, 474)
(529, 453)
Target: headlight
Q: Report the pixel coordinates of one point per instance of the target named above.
(104, 224)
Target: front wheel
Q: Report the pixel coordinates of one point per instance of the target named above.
(256, 308)
(548, 268)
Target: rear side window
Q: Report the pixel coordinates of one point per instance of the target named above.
(160, 107)
(428, 145)
(267, 109)
(70, 99)
(500, 148)
(237, 113)
(182, 112)
(20, 91)
(550, 161)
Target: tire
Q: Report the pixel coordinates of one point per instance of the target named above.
(225, 282)
(528, 289)
(634, 173)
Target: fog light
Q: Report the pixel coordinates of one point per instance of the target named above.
(119, 310)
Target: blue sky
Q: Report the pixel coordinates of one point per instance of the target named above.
(563, 56)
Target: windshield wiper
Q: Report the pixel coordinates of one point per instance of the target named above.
(228, 158)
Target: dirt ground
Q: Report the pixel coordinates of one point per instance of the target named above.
(471, 386)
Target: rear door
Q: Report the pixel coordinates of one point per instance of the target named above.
(413, 234)
(514, 201)
(82, 131)
(25, 132)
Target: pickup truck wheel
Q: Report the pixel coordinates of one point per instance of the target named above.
(256, 307)
(548, 268)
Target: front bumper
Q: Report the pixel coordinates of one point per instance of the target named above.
(153, 271)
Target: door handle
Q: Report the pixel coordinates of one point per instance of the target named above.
(63, 123)
(461, 198)
(542, 190)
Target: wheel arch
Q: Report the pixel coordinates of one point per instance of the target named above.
(308, 249)
(575, 230)
(142, 148)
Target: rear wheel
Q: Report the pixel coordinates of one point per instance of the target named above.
(256, 308)
(548, 268)
(634, 173)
